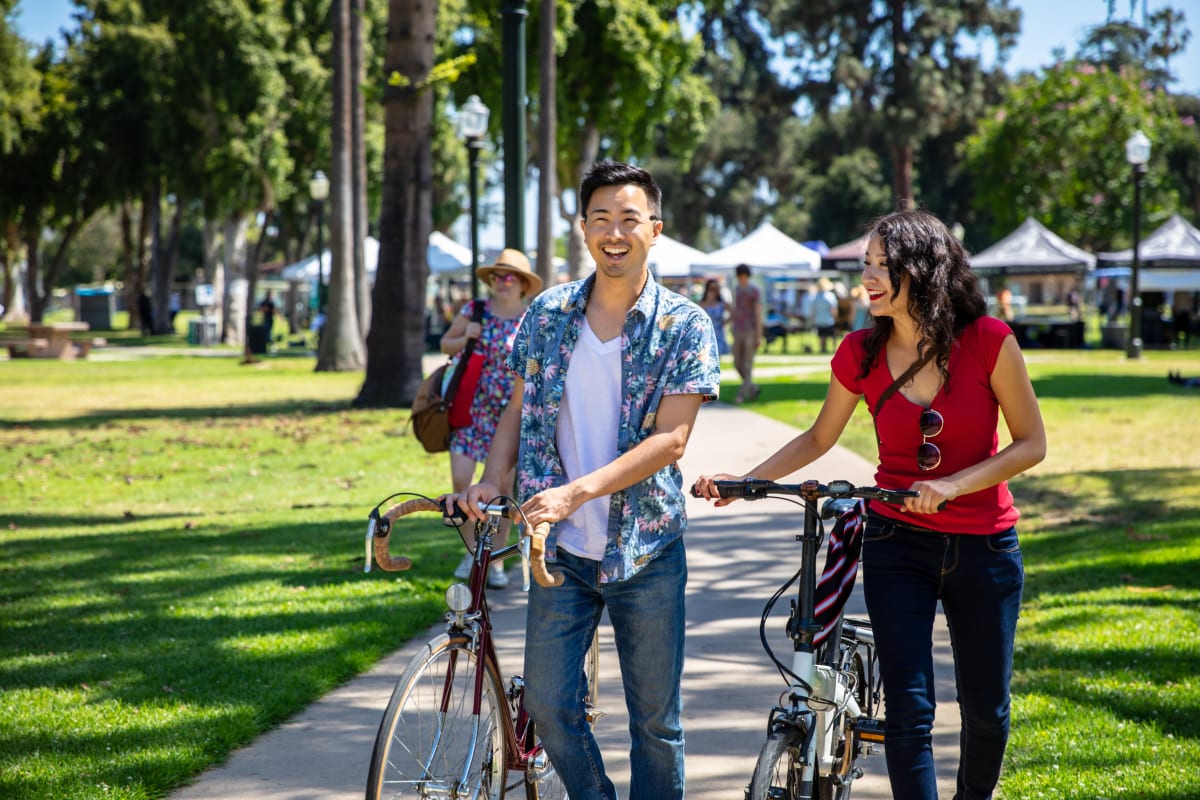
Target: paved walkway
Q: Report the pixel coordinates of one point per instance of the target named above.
(737, 556)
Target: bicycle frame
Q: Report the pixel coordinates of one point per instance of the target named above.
(475, 622)
(801, 754)
(819, 692)
(468, 729)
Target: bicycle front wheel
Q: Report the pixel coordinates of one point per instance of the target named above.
(430, 743)
(779, 773)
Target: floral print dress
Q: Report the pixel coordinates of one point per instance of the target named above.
(495, 384)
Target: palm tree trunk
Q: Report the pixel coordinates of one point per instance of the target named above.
(397, 338)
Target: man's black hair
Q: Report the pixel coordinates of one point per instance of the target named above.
(616, 173)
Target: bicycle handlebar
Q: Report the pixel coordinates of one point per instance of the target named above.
(379, 531)
(757, 489)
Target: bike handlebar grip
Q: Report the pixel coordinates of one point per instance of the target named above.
(537, 558)
(383, 533)
(744, 489)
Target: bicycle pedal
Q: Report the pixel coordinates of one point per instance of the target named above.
(868, 730)
(594, 714)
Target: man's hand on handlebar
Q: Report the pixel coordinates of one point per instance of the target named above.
(471, 499)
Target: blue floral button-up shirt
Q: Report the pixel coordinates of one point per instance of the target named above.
(667, 347)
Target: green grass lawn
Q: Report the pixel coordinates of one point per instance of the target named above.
(182, 568)
(181, 562)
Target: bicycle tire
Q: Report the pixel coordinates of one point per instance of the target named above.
(415, 754)
(541, 780)
(777, 773)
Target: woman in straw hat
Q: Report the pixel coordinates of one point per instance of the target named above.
(511, 282)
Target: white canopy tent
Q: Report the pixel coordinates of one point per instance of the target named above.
(767, 250)
(1168, 259)
(1032, 249)
(670, 258)
(305, 270)
(444, 255)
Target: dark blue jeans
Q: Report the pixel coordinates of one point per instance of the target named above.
(906, 570)
(647, 615)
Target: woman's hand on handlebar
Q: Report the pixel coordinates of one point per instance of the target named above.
(934, 496)
(471, 499)
(704, 487)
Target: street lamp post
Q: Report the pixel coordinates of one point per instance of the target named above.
(318, 190)
(1137, 153)
(472, 125)
(512, 69)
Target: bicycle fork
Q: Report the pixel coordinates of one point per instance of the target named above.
(826, 696)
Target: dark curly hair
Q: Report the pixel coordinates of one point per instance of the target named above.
(943, 293)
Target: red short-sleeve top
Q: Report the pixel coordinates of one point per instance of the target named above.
(969, 435)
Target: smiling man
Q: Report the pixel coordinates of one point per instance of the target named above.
(611, 372)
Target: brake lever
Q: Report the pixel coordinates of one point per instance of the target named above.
(524, 549)
(371, 522)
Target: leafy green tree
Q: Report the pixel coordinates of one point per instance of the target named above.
(847, 195)
(56, 177)
(625, 79)
(1054, 150)
(914, 63)
(747, 165)
(19, 81)
(647, 91)
(1182, 155)
(20, 110)
(1120, 43)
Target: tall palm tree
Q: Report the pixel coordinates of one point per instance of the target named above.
(397, 337)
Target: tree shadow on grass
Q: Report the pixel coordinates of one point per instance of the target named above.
(1097, 385)
(1111, 565)
(191, 639)
(233, 411)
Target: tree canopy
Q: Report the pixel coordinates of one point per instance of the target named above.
(1054, 150)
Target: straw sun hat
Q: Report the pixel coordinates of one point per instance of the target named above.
(513, 261)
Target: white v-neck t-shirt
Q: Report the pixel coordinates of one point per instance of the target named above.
(589, 419)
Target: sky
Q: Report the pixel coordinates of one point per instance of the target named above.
(1046, 25)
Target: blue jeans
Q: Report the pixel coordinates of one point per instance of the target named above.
(647, 615)
(906, 570)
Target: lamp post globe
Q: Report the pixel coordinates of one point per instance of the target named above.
(1137, 153)
(318, 190)
(472, 126)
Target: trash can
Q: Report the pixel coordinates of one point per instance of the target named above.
(202, 331)
(96, 307)
(257, 338)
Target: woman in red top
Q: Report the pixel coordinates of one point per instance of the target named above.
(938, 434)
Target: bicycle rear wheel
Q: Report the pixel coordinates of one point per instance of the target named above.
(421, 752)
(542, 781)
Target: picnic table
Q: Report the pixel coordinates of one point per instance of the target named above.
(52, 340)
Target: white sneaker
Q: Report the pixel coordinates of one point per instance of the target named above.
(496, 577)
(463, 570)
